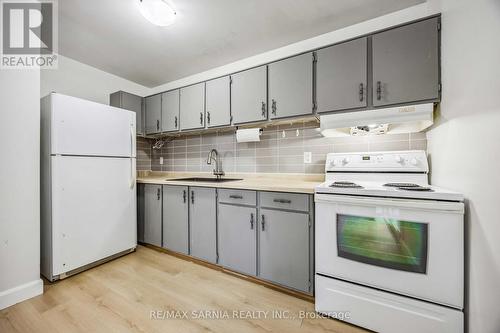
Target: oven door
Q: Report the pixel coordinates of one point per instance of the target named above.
(409, 247)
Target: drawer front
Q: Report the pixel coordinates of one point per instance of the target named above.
(298, 202)
(238, 197)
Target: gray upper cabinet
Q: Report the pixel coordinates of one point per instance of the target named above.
(175, 218)
(284, 248)
(125, 100)
(192, 106)
(237, 238)
(153, 114)
(170, 111)
(152, 214)
(249, 95)
(291, 87)
(341, 76)
(218, 102)
(406, 63)
(203, 225)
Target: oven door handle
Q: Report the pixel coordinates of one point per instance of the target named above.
(429, 205)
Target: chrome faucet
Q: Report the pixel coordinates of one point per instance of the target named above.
(218, 163)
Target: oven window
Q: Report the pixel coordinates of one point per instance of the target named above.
(383, 242)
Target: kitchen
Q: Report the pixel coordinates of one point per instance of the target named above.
(255, 179)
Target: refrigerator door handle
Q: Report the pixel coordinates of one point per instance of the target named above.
(132, 176)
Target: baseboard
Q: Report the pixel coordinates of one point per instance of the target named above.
(20, 293)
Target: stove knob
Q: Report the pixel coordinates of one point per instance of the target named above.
(398, 159)
(414, 162)
(333, 163)
(346, 160)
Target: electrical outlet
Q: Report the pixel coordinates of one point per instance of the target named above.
(307, 157)
(161, 160)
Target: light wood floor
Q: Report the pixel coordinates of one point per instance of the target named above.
(119, 296)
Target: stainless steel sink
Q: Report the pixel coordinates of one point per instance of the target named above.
(205, 179)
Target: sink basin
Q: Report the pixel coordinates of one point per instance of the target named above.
(205, 179)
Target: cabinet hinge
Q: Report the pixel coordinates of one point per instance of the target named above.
(217, 257)
(439, 26)
(230, 80)
(439, 87)
(315, 58)
(231, 119)
(314, 105)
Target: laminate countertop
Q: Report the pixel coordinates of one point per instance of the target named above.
(294, 183)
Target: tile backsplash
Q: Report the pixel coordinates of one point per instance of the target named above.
(281, 149)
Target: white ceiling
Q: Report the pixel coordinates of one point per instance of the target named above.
(113, 36)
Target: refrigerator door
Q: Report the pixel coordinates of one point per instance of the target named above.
(85, 128)
(93, 209)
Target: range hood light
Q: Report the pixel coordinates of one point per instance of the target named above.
(158, 12)
(401, 119)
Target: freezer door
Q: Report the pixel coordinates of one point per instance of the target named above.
(84, 128)
(93, 209)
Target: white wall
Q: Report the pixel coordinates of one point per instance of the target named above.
(19, 186)
(464, 146)
(77, 79)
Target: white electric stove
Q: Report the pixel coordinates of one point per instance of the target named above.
(389, 246)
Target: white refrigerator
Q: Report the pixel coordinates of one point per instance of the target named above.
(88, 191)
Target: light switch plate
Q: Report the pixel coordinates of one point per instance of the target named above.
(161, 160)
(307, 157)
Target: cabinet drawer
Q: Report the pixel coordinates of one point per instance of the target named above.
(240, 197)
(299, 202)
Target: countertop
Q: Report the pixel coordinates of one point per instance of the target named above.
(294, 183)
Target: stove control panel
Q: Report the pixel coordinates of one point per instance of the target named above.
(390, 161)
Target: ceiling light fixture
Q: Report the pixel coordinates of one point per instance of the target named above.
(158, 12)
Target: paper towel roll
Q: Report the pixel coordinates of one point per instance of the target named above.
(248, 135)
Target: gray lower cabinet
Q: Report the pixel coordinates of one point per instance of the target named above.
(153, 114)
(170, 111)
(192, 106)
(237, 238)
(290, 84)
(152, 214)
(284, 251)
(218, 102)
(341, 76)
(203, 223)
(140, 212)
(128, 101)
(249, 95)
(175, 218)
(406, 63)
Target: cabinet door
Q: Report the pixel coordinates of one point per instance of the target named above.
(152, 214)
(249, 95)
(284, 248)
(170, 111)
(341, 76)
(406, 64)
(125, 100)
(218, 102)
(291, 86)
(175, 218)
(237, 238)
(153, 114)
(202, 223)
(192, 106)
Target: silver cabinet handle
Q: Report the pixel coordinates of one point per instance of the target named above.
(184, 196)
(263, 222)
(234, 196)
(158, 193)
(175, 122)
(251, 221)
(201, 118)
(379, 90)
(157, 125)
(283, 201)
(208, 117)
(192, 197)
(361, 92)
(263, 108)
(273, 107)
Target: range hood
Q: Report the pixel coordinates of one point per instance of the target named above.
(401, 119)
